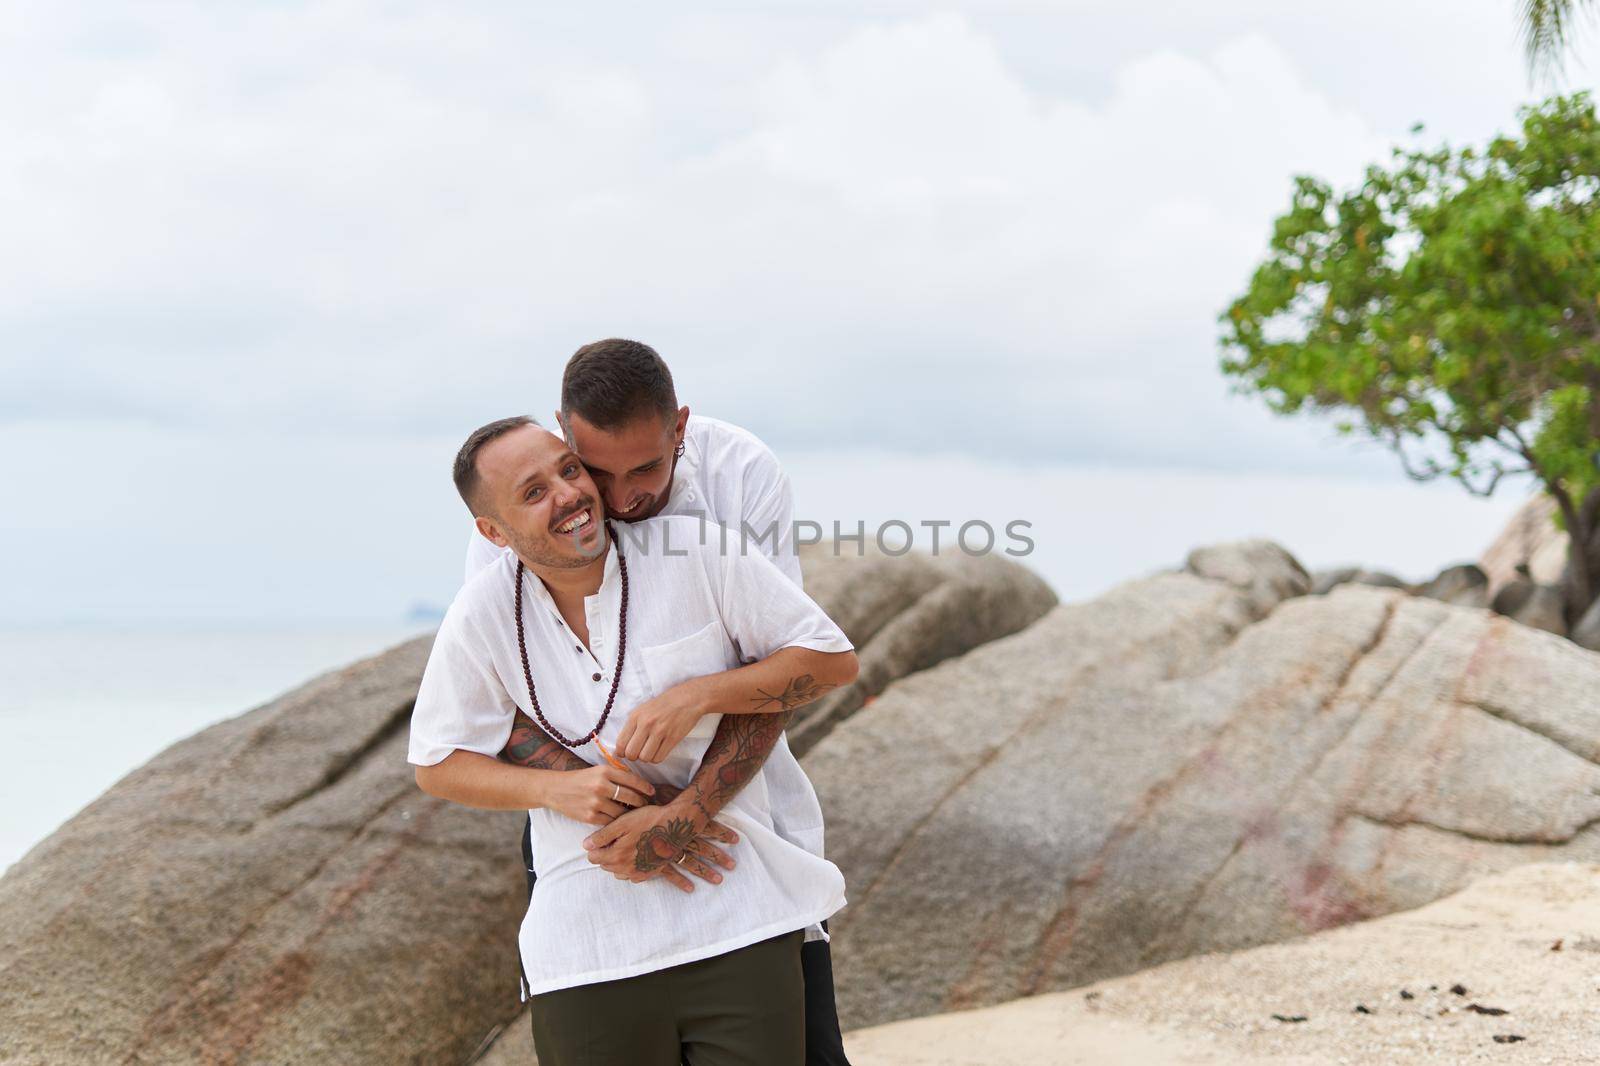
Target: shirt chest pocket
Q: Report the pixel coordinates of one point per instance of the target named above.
(702, 652)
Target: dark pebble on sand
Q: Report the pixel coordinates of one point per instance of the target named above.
(1290, 1017)
(1459, 989)
(1406, 995)
(1479, 1008)
(1362, 1008)
(1507, 1038)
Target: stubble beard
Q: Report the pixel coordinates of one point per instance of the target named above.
(547, 551)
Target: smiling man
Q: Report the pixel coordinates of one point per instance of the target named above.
(649, 456)
(624, 962)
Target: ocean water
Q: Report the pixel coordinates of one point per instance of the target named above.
(81, 706)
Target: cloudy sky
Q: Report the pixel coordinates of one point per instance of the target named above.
(263, 265)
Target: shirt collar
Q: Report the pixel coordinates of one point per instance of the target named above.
(610, 578)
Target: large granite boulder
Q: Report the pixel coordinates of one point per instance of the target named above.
(1165, 771)
(1531, 538)
(276, 889)
(1534, 605)
(1325, 581)
(907, 613)
(1265, 572)
(272, 889)
(1465, 585)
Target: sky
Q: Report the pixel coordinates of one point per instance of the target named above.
(263, 266)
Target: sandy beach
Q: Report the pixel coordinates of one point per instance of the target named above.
(1515, 955)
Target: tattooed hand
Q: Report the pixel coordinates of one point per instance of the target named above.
(660, 845)
(648, 842)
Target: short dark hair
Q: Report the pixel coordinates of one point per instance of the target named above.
(465, 468)
(610, 383)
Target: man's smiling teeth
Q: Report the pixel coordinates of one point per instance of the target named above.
(577, 521)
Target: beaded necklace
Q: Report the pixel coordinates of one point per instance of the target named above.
(616, 677)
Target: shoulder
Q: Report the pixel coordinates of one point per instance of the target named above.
(724, 438)
(678, 542)
(485, 592)
(727, 448)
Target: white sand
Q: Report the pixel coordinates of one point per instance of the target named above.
(1495, 938)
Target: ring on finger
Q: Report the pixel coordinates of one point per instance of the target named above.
(616, 792)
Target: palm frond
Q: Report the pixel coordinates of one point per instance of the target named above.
(1547, 31)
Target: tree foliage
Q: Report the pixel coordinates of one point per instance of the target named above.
(1449, 307)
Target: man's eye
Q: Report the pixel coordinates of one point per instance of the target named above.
(571, 470)
(534, 494)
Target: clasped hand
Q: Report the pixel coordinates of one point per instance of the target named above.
(660, 841)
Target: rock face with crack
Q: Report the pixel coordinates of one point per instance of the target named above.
(276, 889)
(1181, 766)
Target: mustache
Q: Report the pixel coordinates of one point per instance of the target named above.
(586, 502)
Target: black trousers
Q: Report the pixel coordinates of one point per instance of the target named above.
(742, 1008)
(824, 1042)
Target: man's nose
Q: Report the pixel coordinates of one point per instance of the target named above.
(616, 497)
(565, 495)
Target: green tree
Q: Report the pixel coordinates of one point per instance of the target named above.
(1449, 307)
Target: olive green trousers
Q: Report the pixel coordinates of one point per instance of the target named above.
(744, 1008)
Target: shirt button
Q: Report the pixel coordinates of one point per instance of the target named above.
(597, 677)
(578, 648)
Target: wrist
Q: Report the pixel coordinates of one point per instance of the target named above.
(691, 805)
(696, 695)
(537, 785)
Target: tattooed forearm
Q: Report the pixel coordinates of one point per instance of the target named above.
(798, 692)
(661, 844)
(740, 746)
(531, 746)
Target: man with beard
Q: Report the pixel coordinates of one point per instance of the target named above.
(649, 456)
(659, 621)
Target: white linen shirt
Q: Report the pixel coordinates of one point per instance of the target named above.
(728, 476)
(693, 608)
